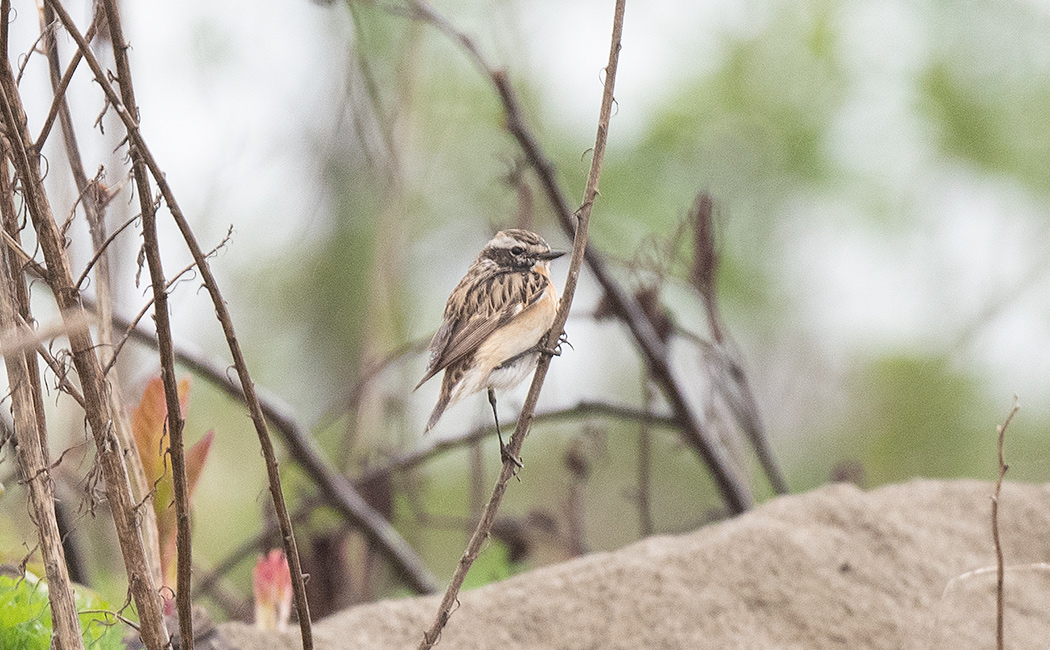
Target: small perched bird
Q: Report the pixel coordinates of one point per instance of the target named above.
(494, 321)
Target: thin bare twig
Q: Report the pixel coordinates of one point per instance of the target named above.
(579, 467)
(60, 371)
(24, 259)
(734, 490)
(999, 566)
(94, 385)
(221, 313)
(431, 635)
(581, 410)
(34, 463)
(338, 491)
(100, 251)
(60, 88)
(728, 377)
(131, 325)
(29, 53)
(645, 469)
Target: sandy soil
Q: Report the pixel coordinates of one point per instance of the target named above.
(903, 566)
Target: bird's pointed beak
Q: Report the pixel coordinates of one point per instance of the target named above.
(551, 255)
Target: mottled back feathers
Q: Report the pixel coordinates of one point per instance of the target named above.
(479, 306)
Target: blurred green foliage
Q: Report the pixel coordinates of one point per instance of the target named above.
(986, 89)
(922, 419)
(25, 617)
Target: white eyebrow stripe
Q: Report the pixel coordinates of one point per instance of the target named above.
(503, 240)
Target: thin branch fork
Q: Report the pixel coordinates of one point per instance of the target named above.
(734, 490)
(221, 312)
(1000, 604)
(431, 635)
(33, 460)
(82, 347)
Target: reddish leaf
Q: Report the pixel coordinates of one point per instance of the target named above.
(196, 456)
(149, 427)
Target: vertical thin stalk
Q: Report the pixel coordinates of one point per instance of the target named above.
(174, 421)
(82, 348)
(433, 633)
(645, 468)
(95, 212)
(1000, 605)
(33, 460)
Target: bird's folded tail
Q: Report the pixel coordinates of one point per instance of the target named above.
(435, 415)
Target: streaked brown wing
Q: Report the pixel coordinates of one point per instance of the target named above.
(489, 304)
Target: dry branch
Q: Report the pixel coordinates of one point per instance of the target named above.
(550, 341)
(94, 211)
(338, 491)
(94, 385)
(580, 410)
(142, 151)
(999, 567)
(35, 465)
(734, 490)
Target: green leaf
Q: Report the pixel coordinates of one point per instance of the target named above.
(25, 617)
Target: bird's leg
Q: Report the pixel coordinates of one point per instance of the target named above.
(504, 453)
(563, 339)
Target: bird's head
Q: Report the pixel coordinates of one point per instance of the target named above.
(518, 250)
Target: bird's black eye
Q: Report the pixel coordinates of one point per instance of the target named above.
(517, 250)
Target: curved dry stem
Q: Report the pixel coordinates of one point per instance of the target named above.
(339, 493)
(999, 564)
(93, 383)
(488, 516)
(733, 488)
(142, 154)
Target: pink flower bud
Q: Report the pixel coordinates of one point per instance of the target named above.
(273, 591)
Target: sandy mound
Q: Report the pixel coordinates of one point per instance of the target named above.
(898, 567)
